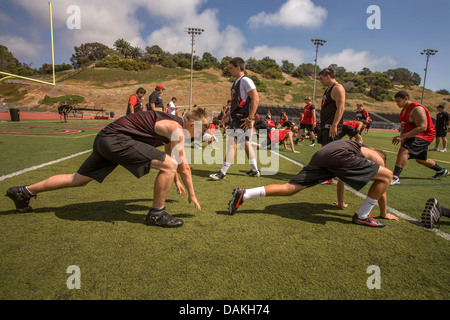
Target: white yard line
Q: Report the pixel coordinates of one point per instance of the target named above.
(42, 165)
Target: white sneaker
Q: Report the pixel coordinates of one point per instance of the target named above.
(395, 180)
(433, 149)
(443, 150)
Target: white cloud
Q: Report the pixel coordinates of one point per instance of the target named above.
(21, 48)
(105, 21)
(355, 61)
(292, 14)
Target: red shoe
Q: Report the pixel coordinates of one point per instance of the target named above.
(328, 181)
(369, 221)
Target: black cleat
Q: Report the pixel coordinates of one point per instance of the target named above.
(162, 218)
(431, 213)
(252, 173)
(439, 175)
(217, 176)
(236, 201)
(21, 197)
(369, 221)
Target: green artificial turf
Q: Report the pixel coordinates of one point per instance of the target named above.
(291, 248)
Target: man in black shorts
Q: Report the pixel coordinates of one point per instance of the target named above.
(132, 141)
(64, 111)
(441, 126)
(244, 103)
(352, 163)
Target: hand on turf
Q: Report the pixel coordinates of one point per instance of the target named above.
(295, 151)
(344, 205)
(195, 201)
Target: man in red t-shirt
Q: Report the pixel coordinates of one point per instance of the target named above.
(353, 129)
(308, 120)
(135, 102)
(417, 134)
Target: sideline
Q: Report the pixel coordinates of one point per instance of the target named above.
(391, 210)
(42, 165)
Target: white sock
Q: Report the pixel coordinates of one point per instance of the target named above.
(254, 193)
(225, 167)
(253, 164)
(366, 207)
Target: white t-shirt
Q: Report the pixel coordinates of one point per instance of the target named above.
(172, 108)
(246, 86)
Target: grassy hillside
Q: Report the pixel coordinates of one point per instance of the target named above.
(111, 88)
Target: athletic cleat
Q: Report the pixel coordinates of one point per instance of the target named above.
(162, 218)
(21, 197)
(443, 150)
(236, 201)
(312, 144)
(440, 174)
(217, 176)
(328, 181)
(395, 180)
(431, 213)
(369, 221)
(252, 173)
(433, 149)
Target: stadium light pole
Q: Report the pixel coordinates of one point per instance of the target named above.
(428, 53)
(192, 32)
(317, 43)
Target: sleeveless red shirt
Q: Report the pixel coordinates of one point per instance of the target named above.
(407, 126)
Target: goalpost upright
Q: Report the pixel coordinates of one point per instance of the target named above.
(10, 75)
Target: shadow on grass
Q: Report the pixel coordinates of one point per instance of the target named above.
(107, 211)
(304, 211)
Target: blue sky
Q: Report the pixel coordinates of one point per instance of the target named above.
(280, 29)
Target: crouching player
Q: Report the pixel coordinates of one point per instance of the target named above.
(132, 141)
(348, 160)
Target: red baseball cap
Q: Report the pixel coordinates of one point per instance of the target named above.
(160, 86)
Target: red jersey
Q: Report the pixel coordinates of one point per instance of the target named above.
(307, 114)
(281, 134)
(270, 123)
(212, 128)
(353, 124)
(407, 126)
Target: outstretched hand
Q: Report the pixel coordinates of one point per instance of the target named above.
(195, 201)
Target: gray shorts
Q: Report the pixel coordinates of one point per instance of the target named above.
(356, 173)
(111, 151)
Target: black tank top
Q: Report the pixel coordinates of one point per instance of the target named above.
(141, 126)
(239, 108)
(328, 109)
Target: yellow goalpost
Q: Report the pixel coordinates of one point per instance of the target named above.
(10, 75)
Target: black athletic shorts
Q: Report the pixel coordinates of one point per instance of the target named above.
(417, 148)
(111, 151)
(348, 130)
(239, 133)
(441, 133)
(306, 126)
(324, 136)
(356, 173)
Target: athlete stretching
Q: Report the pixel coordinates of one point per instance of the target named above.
(348, 160)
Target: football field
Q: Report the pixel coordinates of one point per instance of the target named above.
(275, 248)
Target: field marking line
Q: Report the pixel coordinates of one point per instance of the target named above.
(42, 165)
(391, 210)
